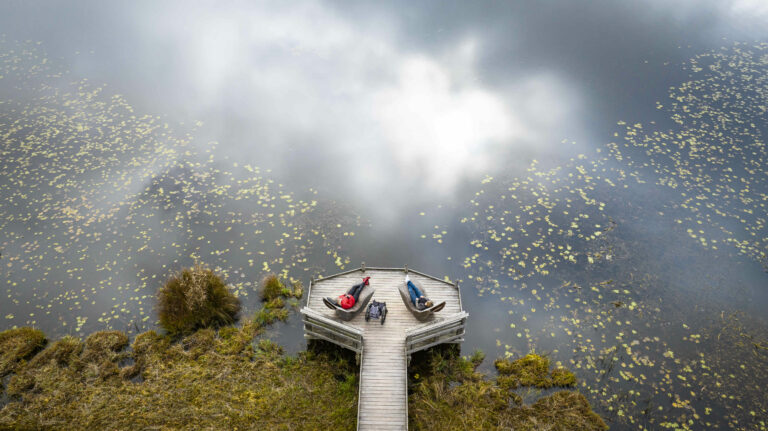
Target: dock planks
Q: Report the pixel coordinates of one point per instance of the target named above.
(383, 397)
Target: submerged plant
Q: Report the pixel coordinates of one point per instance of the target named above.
(196, 298)
(267, 315)
(563, 378)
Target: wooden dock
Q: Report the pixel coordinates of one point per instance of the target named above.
(384, 350)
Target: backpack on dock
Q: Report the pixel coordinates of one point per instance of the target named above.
(376, 310)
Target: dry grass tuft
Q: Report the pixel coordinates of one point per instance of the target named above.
(195, 298)
(104, 344)
(532, 370)
(63, 352)
(103, 350)
(18, 344)
(273, 288)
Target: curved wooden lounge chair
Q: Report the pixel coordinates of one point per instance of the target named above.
(420, 315)
(350, 313)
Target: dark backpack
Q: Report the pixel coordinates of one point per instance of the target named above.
(377, 310)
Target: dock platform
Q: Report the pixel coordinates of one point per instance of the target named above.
(384, 350)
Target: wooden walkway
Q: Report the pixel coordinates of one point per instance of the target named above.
(383, 398)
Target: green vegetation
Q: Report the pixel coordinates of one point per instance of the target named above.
(16, 345)
(274, 293)
(447, 393)
(195, 298)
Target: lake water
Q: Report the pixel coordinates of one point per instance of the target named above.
(602, 200)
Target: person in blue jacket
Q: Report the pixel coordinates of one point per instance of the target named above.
(420, 301)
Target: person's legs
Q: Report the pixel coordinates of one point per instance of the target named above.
(355, 291)
(352, 289)
(413, 291)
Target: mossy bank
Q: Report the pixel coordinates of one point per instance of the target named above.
(447, 393)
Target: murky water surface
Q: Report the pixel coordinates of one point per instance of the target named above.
(637, 259)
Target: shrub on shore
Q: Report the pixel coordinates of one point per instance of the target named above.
(196, 298)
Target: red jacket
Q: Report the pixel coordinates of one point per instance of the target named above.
(346, 301)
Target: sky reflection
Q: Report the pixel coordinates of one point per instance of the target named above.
(370, 102)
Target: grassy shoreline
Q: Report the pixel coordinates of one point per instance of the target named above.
(231, 379)
(205, 373)
(206, 380)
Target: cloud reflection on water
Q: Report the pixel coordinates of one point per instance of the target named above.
(394, 119)
(381, 101)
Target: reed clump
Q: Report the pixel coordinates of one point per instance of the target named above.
(273, 288)
(196, 298)
(274, 294)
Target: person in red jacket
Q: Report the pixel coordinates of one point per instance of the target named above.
(347, 300)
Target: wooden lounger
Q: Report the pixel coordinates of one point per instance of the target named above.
(421, 315)
(349, 313)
